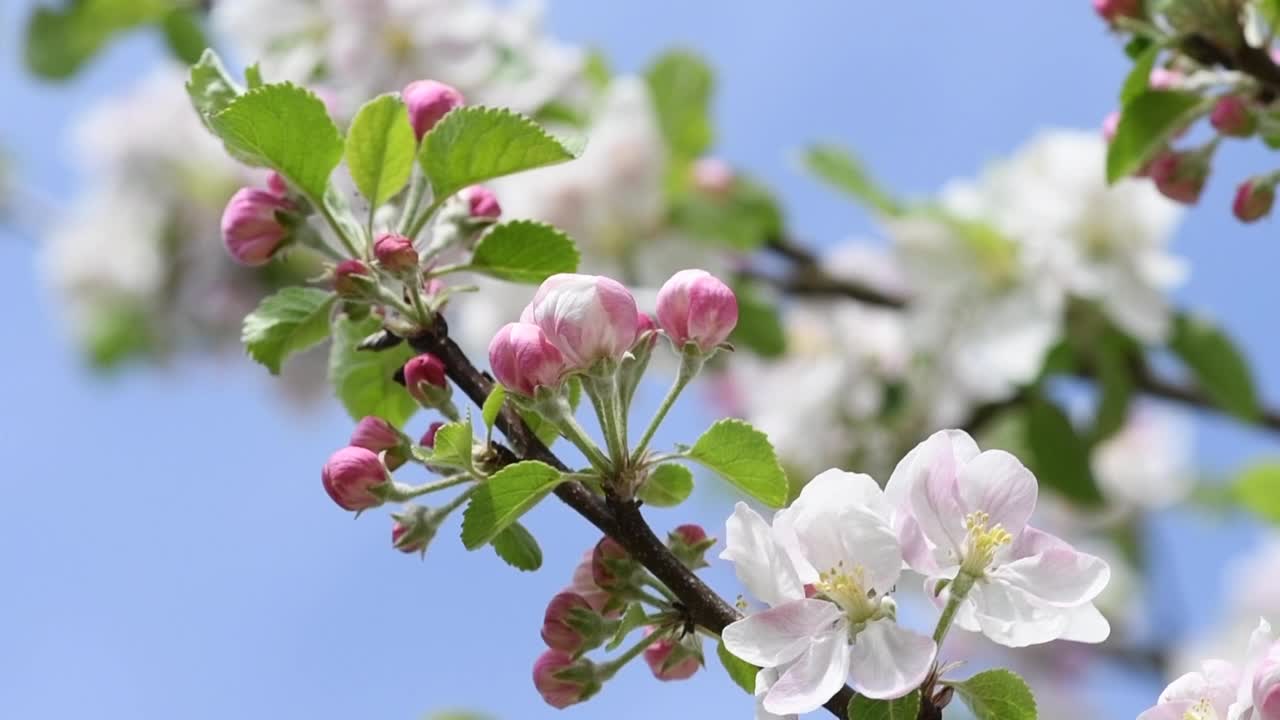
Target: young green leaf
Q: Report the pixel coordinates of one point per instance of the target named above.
(1219, 367)
(1257, 489)
(518, 548)
(632, 619)
(1059, 456)
(59, 41)
(453, 444)
(474, 144)
(903, 708)
(740, 671)
(380, 149)
(286, 128)
(184, 34)
(493, 405)
(1147, 123)
(524, 251)
(289, 321)
(365, 380)
(742, 455)
(681, 84)
(503, 498)
(1139, 77)
(210, 86)
(759, 327)
(668, 486)
(997, 695)
(1111, 360)
(838, 167)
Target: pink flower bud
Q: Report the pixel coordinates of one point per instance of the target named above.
(584, 585)
(611, 565)
(424, 377)
(1112, 10)
(429, 437)
(713, 176)
(1179, 176)
(347, 278)
(1253, 200)
(428, 101)
(395, 253)
(587, 317)
(250, 229)
(670, 659)
(1266, 686)
(563, 681)
(482, 202)
(1165, 79)
(523, 359)
(690, 543)
(374, 433)
(646, 329)
(277, 185)
(350, 474)
(1109, 125)
(695, 306)
(567, 622)
(406, 545)
(1231, 116)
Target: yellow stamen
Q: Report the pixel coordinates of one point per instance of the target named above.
(847, 588)
(982, 542)
(1202, 710)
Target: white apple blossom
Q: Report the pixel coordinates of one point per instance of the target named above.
(962, 519)
(1147, 463)
(1221, 690)
(825, 567)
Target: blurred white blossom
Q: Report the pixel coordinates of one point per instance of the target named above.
(1148, 462)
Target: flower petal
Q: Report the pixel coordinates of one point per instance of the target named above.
(813, 679)
(761, 565)
(765, 680)
(779, 635)
(935, 495)
(1012, 618)
(851, 539)
(1057, 574)
(913, 468)
(996, 483)
(889, 661)
(1085, 624)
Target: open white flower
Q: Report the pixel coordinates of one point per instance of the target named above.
(1203, 695)
(962, 521)
(825, 567)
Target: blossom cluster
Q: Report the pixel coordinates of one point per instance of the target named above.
(1226, 690)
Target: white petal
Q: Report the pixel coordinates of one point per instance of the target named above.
(814, 678)
(1085, 624)
(917, 552)
(835, 490)
(759, 562)
(764, 682)
(996, 483)
(779, 635)
(889, 661)
(1167, 711)
(1057, 574)
(913, 468)
(935, 497)
(850, 539)
(1013, 618)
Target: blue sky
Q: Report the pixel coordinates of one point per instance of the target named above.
(167, 551)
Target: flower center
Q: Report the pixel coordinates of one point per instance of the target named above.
(1202, 710)
(847, 588)
(982, 542)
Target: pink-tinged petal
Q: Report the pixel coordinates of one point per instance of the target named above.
(1086, 624)
(1012, 618)
(889, 661)
(996, 483)
(1058, 575)
(779, 635)
(916, 550)
(935, 496)
(1189, 687)
(764, 683)
(913, 468)
(1167, 711)
(814, 678)
(761, 565)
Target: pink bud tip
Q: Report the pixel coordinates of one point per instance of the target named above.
(584, 584)
(1112, 10)
(374, 433)
(482, 202)
(429, 437)
(428, 101)
(1231, 116)
(609, 563)
(713, 176)
(395, 252)
(523, 359)
(1165, 79)
(695, 306)
(344, 274)
(550, 677)
(669, 660)
(1253, 200)
(690, 534)
(350, 474)
(250, 229)
(587, 317)
(1178, 176)
(558, 629)
(421, 374)
(276, 184)
(398, 531)
(1109, 125)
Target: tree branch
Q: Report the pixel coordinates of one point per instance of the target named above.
(617, 518)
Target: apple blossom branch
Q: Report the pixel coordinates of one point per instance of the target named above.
(618, 518)
(807, 278)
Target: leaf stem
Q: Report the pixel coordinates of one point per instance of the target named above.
(690, 365)
(610, 668)
(408, 492)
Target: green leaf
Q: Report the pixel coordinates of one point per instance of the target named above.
(518, 548)
(632, 619)
(453, 444)
(740, 671)
(742, 455)
(1060, 457)
(210, 86)
(838, 167)
(596, 70)
(1257, 489)
(1219, 367)
(286, 128)
(380, 149)
(59, 41)
(184, 35)
(289, 321)
(493, 405)
(474, 144)
(503, 498)
(253, 76)
(743, 219)
(681, 85)
(524, 251)
(365, 380)
(1147, 123)
(759, 326)
(997, 695)
(903, 708)
(1139, 77)
(668, 486)
(1115, 381)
